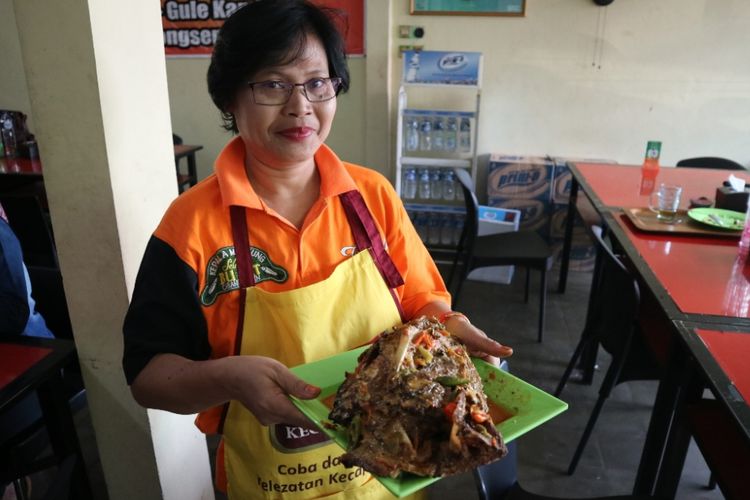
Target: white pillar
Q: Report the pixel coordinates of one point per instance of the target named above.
(97, 85)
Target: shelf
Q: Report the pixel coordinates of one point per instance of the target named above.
(426, 206)
(421, 161)
(442, 85)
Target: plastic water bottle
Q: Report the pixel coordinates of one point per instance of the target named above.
(8, 136)
(425, 134)
(446, 230)
(423, 185)
(449, 186)
(420, 224)
(433, 229)
(438, 134)
(412, 133)
(451, 134)
(464, 137)
(409, 186)
(436, 184)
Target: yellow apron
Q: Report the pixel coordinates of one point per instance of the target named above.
(299, 326)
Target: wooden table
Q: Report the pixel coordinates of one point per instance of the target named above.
(702, 290)
(29, 365)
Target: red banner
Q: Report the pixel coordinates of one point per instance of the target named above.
(190, 26)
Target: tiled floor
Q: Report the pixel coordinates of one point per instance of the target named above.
(611, 458)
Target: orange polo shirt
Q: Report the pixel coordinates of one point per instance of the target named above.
(196, 230)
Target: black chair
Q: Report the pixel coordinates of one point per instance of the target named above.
(31, 226)
(520, 248)
(612, 322)
(49, 295)
(710, 162)
(499, 481)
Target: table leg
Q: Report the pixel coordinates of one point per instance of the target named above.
(568, 241)
(677, 444)
(192, 170)
(665, 404)
(62, 432)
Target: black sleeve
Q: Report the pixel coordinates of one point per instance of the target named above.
(165, 313)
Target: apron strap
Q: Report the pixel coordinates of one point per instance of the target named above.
(366, 236)
(241, 238)
(241, 241)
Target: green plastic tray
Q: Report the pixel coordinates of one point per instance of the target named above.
(530, 406)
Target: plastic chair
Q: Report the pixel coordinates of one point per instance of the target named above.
(521, 248)
(499, 481)
(612, 321)
(710, 162)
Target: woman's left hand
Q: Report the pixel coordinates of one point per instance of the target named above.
(478, 343)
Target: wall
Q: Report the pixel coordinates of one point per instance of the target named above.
(572, 78)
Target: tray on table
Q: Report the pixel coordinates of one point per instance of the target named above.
(645, 220)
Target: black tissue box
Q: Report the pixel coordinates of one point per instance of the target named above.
(729, 199)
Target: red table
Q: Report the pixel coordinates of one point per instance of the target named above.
(29, 365)
(704, 292)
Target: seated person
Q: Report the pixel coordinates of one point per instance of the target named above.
(18, 315)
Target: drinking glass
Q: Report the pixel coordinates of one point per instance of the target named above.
(665, 201)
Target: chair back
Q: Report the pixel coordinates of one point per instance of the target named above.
(710, 162)
(616, 304)
(471, 224)
(30, 225)
(48, 293)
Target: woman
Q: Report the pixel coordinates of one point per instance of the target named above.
(284, 256)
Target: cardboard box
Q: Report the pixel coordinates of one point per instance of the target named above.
(534, 213)
(520, 177)
(562, 178)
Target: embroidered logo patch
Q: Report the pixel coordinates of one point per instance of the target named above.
(222, 275)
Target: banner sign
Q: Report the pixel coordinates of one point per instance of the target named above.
(191, 26)
(433, 67)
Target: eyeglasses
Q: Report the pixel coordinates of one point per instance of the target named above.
(277, 93)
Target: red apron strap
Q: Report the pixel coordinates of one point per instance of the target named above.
(366, 235)
(244, 263)
(241, 239)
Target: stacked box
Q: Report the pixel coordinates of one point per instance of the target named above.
(582, 251)
(522, 183)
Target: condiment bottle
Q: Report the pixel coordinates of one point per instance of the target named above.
(650, 168)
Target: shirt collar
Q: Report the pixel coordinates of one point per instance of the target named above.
(236, 189)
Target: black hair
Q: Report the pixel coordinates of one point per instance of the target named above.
(268, 33)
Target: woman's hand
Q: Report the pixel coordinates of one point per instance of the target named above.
(263, 385)
(478, 343)
(173, 383)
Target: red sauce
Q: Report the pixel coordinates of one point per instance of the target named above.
(499, 413)
(328, 402)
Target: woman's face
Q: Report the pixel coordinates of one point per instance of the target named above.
(286, 135)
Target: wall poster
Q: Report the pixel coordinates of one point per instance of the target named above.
(469, 7)
(190, 27)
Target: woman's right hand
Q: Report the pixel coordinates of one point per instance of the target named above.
(263, 385)
(173, 383)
